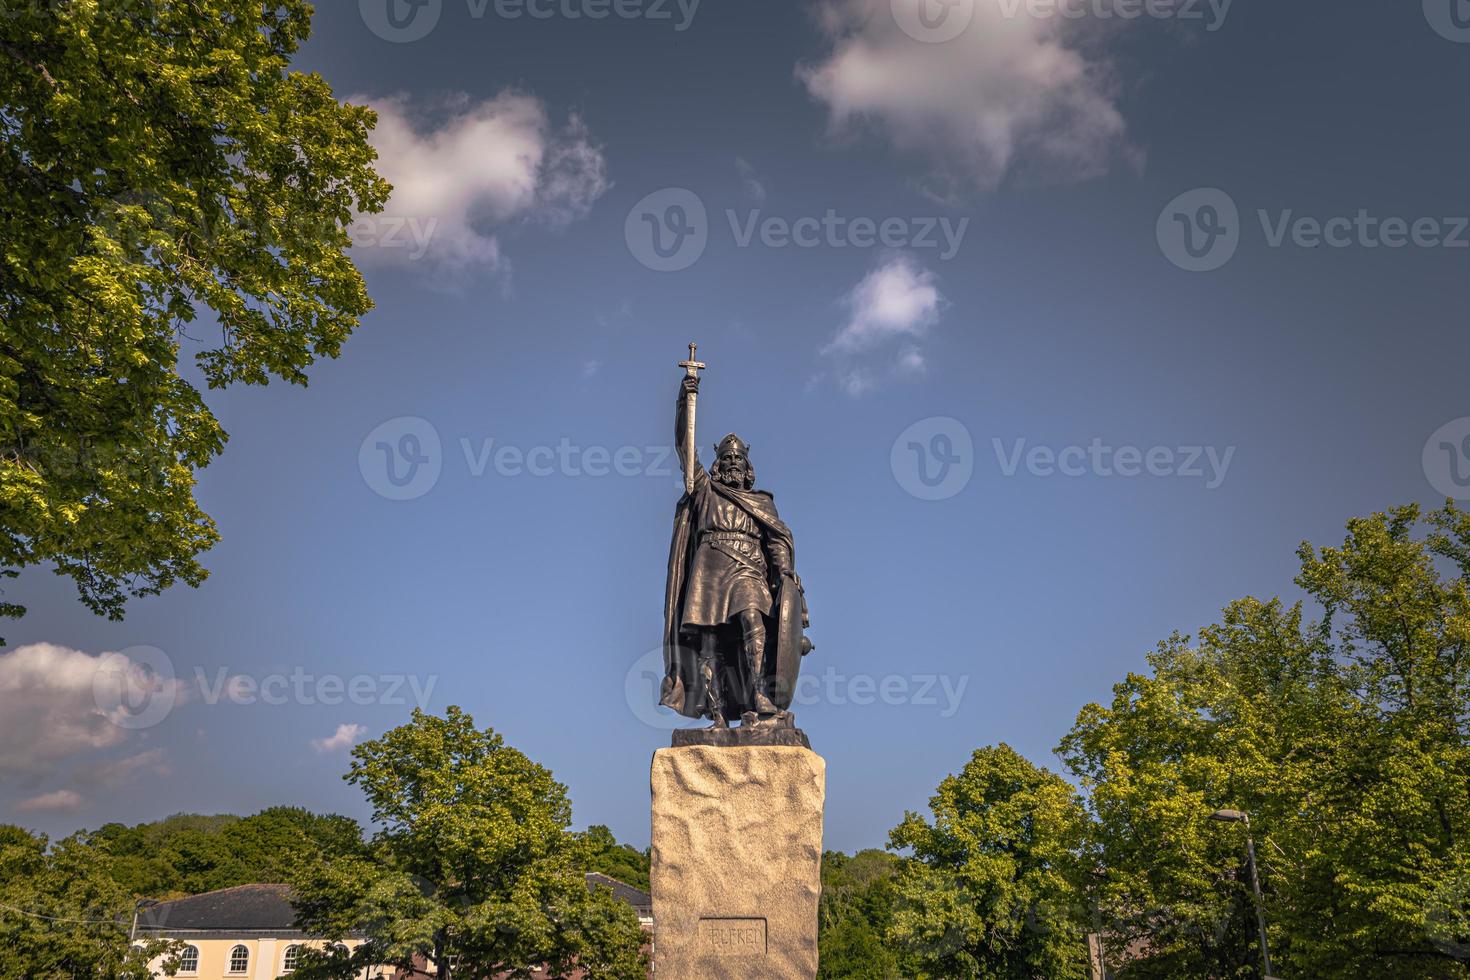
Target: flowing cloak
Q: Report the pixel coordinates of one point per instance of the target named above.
(683, 688)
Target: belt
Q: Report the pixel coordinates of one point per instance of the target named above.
(731, 537)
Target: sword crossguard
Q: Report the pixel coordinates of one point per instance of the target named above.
(692, 367)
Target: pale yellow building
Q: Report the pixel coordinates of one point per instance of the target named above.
(249, 932)
(244, 933)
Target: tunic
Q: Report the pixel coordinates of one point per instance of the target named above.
(728, 572)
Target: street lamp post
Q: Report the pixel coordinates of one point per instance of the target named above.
(1241, 817)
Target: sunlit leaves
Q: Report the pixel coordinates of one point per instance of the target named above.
(472, 860)
(171, 190)
(1344, 738)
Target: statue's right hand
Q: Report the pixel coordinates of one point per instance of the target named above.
(691, 385)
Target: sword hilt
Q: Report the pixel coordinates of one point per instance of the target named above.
(692, 366)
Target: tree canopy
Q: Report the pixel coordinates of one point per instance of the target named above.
(164, 168)
(187, 854)
(990, 889)
(855, 916)
(621, 861)
(1343, 737)
(472, 862)
(66, 907)
(63, 912)
(1340, 730)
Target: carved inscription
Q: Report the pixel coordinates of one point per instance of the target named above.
(733, 937)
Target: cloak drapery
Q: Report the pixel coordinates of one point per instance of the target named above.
(683, 688)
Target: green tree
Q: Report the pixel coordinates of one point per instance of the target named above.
(1344, 738)
(990, 889)
(1201, 734)
(186, 854)
(472, 862)
(162, 164)
(621, 861)
(855, 915)
(62, 915)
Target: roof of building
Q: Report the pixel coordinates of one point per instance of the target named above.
(250, 908)
(635, 897)
(239, 909)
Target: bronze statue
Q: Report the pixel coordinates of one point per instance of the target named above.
(734, 610)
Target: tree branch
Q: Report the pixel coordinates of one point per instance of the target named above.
(35, 66)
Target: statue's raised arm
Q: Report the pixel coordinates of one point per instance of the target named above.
(684, 418)
(684, 436)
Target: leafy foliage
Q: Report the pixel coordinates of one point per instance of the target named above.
(991, 888)
(187, 854)
(856, 913)
(92, 879)
(1343, 738)
(63, 914)
(621, 861)
(473, 861)
(161, 163)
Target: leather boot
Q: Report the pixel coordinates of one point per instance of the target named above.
(755, 664)
(709, 671)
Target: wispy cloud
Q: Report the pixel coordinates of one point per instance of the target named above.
(57, 801)
(616, 317)
(911, 362)
(343, 738)
(457, 184)
(750, 184)
(118, 771)
(897, 301)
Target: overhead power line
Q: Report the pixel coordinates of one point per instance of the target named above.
(59, 918)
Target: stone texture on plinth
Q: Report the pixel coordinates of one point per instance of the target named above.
(737, 862)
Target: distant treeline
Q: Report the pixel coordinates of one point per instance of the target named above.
(189, 853)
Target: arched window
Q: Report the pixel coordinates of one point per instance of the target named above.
(239, 959)
(189, 960)
(293, 958)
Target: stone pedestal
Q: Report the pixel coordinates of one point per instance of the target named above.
(737, 861)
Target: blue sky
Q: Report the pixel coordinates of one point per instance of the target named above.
(1055, 343)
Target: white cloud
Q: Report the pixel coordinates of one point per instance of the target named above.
(458, 182)
(59, 800)
(49, 709)
(1008, 92)
(119, 771)
(899, 300)
(343, 738)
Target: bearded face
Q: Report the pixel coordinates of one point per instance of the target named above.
(732, 469)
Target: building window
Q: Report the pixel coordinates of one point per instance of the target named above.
(189, 960)
(239, 959)
(293, 958)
